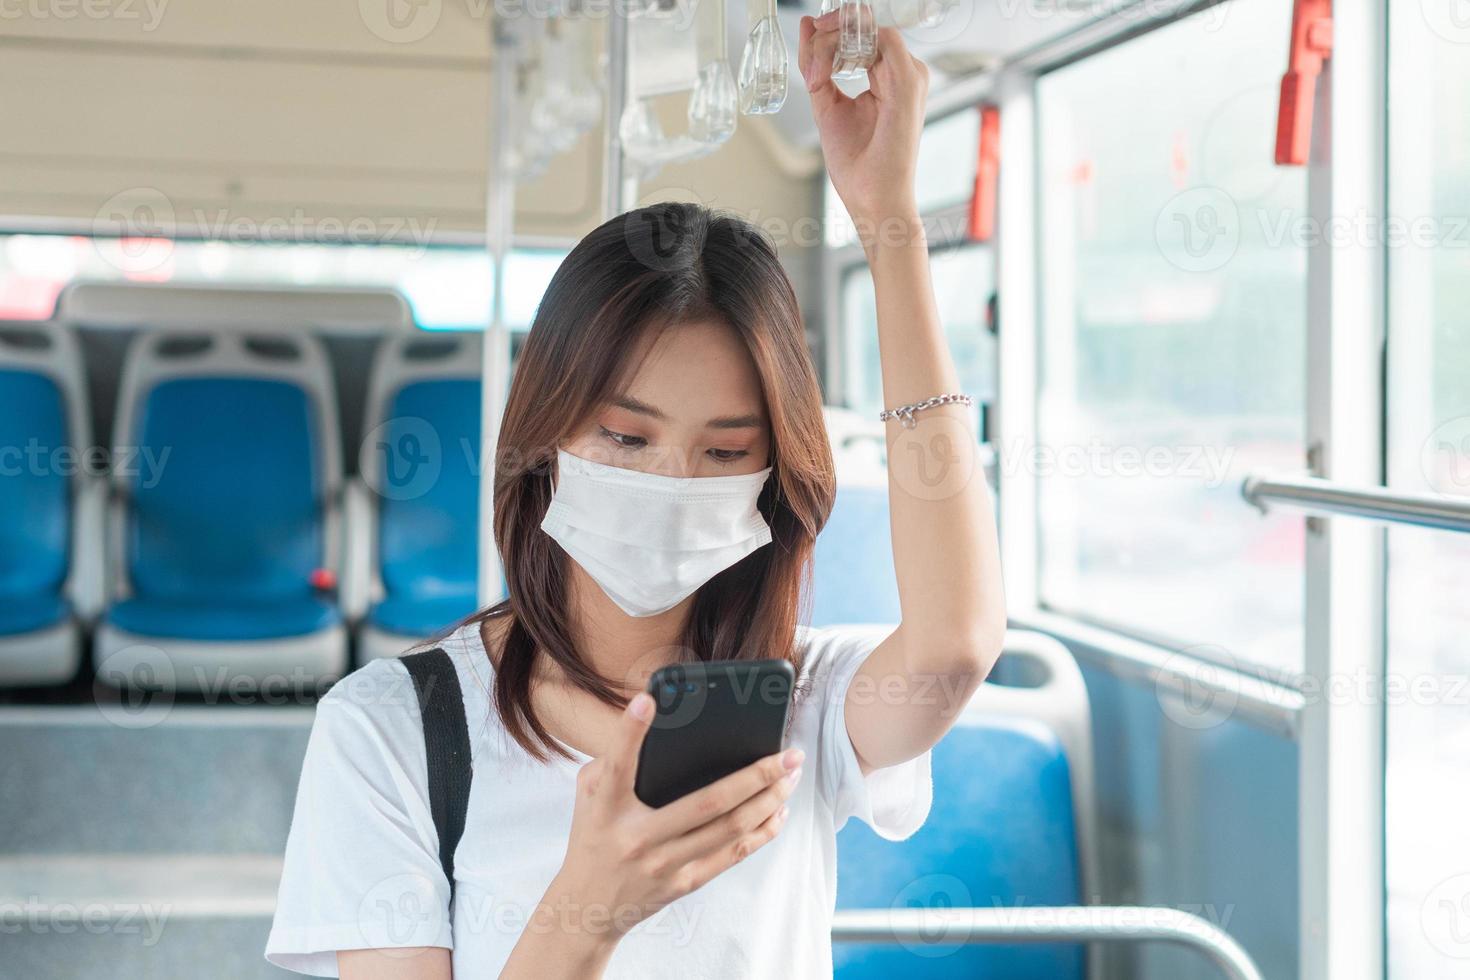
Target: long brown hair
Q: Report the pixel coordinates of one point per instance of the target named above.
(659, 265)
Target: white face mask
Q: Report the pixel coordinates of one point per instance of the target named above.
(651, 541)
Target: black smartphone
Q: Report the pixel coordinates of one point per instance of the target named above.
(710, 719)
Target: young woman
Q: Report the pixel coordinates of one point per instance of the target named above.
(662, 474)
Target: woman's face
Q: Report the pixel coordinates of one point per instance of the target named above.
(693, 407)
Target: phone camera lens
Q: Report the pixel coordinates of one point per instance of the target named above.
(671, 688)
(689, 687)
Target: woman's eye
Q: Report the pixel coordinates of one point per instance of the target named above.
(727, 455)
(623, 441)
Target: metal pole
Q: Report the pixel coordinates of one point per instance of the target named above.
(1318, 496)
(1041, 924)
(619, 186)
(499, 224)
(1340, 745)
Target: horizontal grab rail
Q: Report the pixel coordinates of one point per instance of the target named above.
(1046, 924)
(1323, 497)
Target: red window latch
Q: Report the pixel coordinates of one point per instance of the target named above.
(1311, 44)
(987, 176)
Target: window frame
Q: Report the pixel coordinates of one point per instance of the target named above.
(1343, 907)
(1341, 763)
(945, 228)
(437, 241)
(850, 262)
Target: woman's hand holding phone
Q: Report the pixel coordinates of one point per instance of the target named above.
(626, 860)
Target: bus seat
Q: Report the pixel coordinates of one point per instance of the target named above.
(1013, 827)
(218, 548)
(43, 436)
(852, 566)
(419, 463)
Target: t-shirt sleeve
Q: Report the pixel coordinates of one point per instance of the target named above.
(362, 868)
(894, 801)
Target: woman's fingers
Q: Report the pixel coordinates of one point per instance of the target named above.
(622, 762)
(701, 870)
(895, 69)
(723, 795)
(724, 830)
(814, 52)
(890, 64)
(890, 45)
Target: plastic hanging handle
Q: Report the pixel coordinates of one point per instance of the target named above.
(763, 65)
(857, 38)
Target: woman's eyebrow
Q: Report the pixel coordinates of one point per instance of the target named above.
(734, 422)
(748, 421)
(638, 408)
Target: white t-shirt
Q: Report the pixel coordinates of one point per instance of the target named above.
(362, 867)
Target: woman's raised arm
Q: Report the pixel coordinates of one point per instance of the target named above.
(908, 692)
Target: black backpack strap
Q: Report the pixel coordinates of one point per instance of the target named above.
(447, 745)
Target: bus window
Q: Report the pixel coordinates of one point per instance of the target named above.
(1428, 443)
(448, 286)
(964, 278)
(947, 156)
(1172, 338)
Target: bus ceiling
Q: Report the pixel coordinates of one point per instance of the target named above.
(352, 114)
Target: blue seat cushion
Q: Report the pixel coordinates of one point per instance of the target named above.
(35, 492)
(223, 620)
(235, 511)
(852, 570)
(417, 616)
(1001, 833)
(427, 536)
(28, 613)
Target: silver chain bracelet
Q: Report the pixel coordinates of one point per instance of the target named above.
(905, 413)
